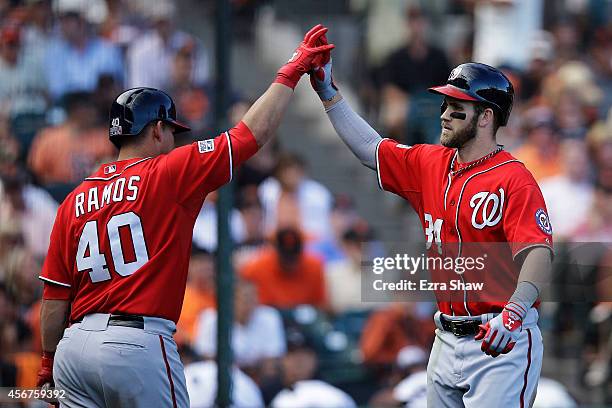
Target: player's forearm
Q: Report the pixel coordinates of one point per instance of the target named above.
(537, 267)
(354, 131)
(53, 317)
(263, 118)
(535, 274)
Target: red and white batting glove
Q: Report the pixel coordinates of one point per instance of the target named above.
(501, 333)
(45, 374)
(321, 77)
(307, 56)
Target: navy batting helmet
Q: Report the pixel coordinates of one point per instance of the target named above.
(136, 108)
(478, 82)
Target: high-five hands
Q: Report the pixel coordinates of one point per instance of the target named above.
(321, 77)
(308, 55)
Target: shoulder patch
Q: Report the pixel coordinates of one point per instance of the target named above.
(205, 146)
(403, 146)
(543, 221)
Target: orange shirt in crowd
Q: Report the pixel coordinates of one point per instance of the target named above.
(539, 166)
(389, 330)
(196, 300)
(28, 364)
(304, 285)
(59, 156)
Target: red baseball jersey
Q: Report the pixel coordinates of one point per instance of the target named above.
(122, 239)
(492, 205)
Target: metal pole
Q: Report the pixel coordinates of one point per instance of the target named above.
(225, 275)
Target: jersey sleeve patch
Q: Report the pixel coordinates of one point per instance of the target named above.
(543, 221)
(205, 146)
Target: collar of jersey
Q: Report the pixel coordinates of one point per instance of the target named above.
(122, 165)
(461, 167)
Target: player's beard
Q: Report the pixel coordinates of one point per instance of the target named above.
(461, 137)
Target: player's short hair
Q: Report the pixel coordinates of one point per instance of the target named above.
(479, 108)
(139, 137)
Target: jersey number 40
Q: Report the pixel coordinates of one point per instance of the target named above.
(95, 261)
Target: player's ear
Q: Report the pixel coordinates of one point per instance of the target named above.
(486, 117)
(157, 130)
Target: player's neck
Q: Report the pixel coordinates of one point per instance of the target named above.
(475, 149)
(134, 152)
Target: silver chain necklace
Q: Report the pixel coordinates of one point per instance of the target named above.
(474, 164)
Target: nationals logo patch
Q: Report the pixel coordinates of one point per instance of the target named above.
(543, 221)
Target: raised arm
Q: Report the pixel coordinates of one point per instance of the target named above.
(354, 131)
(264, 116)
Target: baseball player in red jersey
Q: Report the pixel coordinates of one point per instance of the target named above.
(117, 264)
(468, 191)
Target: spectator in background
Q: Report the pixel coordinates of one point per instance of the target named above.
(104, 95)
(67, 153)
(574, 182)
(567, 39)
(257, 169)
(9, 150)
(149, 58)
(11, 238)
(258, 336)
(597, 227)
(300, 389)
(8, 369)
(201, 378)
(408, 382)
(23, 90)
(553, 394)
(412, 390)
(412, 68)
(600, 55)
(199, 293)
(76, 58)
(31, 207)
(36, 29)
(503, 28)
(292, 200)
(574, 95)
(285, 275)
(254, 239)
(21, 276)
(539, 66)
(205, 228)
(389, 330)
(344, 276)
(195, 100)
(540, 152)
(342, 217)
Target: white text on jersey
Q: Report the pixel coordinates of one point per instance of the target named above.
(114, 192)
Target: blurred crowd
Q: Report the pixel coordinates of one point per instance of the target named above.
(302, 336)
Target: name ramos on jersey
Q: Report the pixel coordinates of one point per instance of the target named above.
(97, 197)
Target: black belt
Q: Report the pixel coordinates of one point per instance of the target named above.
(137, 322)
(460, 327)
